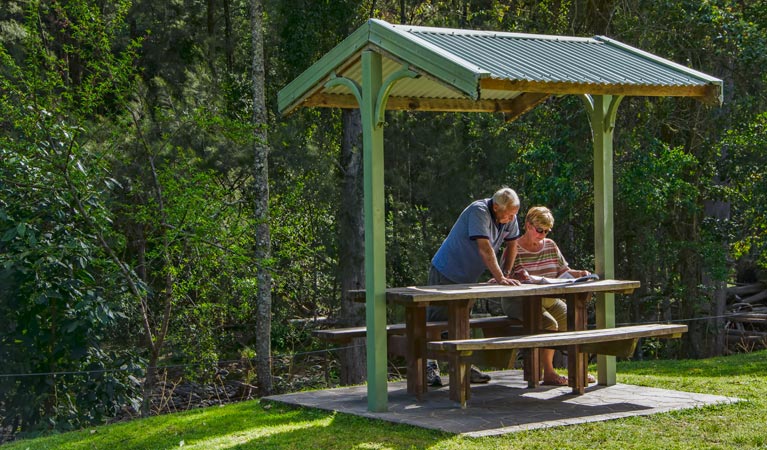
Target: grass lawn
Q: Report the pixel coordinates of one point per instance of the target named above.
(251, 425)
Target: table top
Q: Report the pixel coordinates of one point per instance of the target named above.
(417, 294)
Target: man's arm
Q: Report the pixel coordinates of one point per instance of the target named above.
(491, 262)
(508, 258)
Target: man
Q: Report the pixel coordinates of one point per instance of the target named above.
(469, 249)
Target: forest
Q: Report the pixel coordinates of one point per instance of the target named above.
(159, 219)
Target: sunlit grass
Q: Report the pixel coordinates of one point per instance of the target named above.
(251, 425)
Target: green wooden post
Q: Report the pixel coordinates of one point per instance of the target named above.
(602, 110)
(372, 96)
(375, 236)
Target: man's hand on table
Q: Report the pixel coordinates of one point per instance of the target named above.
(505, 281)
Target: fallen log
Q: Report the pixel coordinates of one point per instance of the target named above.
(749, 318)
(746, 289)
(747, 333)
(755, 298)
(753, 342)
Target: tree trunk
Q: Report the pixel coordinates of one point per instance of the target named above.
(150, 381)
(721, 211)
(352, 245)
(228, 47)
(210, 17)
(261, 196)
(689, 267)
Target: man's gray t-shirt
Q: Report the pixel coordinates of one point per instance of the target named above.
(458, 257)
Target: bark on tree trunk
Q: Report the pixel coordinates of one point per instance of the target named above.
(721, 211)
(352, 245)
(149, 384)
(210, 18)
(261, 195)
(228, 47)
(690, 269)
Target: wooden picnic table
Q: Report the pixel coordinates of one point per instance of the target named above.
(459, 298)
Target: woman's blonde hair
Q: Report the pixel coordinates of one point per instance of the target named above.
(540, 216)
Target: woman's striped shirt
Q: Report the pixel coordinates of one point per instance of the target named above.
(548, 262)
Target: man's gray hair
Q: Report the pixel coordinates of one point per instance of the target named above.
(506, 198)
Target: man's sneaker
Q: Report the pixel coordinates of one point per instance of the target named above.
(432, 373)
(478, 377)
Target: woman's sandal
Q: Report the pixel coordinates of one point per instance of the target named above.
(563, 381)
(560, 380)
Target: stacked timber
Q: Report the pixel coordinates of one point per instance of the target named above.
(746, 325)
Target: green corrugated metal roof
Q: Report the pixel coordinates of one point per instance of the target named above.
(467, 70)
(551, 59)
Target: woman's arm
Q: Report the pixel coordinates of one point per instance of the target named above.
(564, 267)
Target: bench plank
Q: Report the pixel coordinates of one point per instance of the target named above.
(559, 339)
(347, 334)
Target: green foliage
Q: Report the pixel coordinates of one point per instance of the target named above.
(411, 240)
(60, 296)
(189, 229)
(745, 167)
(685, 251)
(305, 255)
(59, 301)
(652, 192)
(553, 167)
(307, 29)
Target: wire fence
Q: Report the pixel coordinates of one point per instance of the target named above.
(284, 356)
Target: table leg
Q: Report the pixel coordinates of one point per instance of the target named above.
(415, 327)
(533, 319)
(577, 362)
(458, 328)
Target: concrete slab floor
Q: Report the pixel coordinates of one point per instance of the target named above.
(505, 405)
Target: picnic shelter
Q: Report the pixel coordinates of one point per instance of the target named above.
(383, 66)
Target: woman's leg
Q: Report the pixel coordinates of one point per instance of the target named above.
(555, 319)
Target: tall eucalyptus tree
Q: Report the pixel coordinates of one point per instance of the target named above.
(262, 253)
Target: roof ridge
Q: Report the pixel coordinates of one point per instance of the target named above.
(510, 34)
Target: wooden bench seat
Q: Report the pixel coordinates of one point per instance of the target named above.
(563, 339)
(619, 341)
(396, 340)
(344, 335)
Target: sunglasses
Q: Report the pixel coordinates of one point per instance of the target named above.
(541, 230)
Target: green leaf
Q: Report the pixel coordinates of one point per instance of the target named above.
(9, 235)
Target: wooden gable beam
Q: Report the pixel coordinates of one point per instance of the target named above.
(707, 93)
(512, 109)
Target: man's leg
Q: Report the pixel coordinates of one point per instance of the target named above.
(435, 314)
(439, 313)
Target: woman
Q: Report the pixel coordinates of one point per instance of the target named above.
(539, 256)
